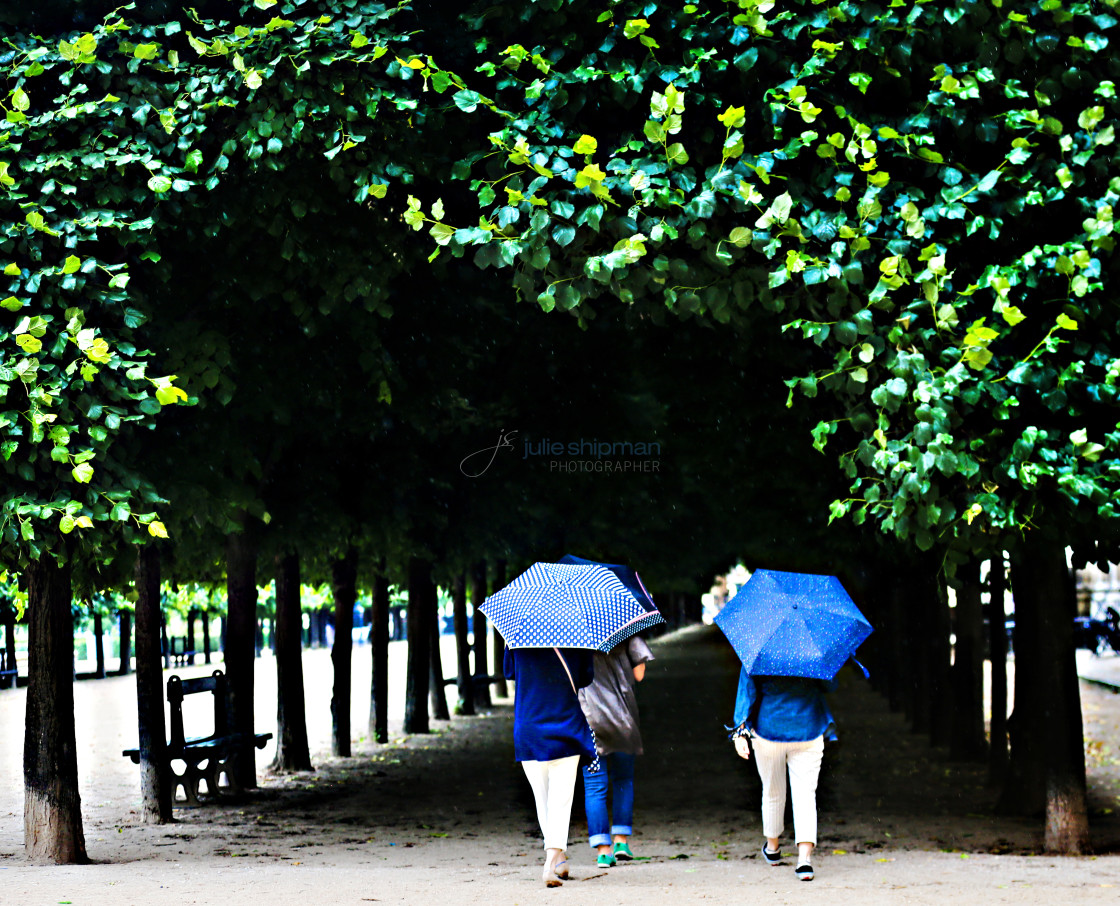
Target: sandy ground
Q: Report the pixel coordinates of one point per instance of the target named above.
(447, 817)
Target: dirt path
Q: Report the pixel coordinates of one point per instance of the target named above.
(447, 819)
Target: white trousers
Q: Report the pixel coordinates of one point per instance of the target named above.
(554, 785)
(803, 760)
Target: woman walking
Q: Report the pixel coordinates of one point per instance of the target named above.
(787, 719)
(612, 710)
(550, 737)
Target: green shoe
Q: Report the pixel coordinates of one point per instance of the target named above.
(622, 852)
(606, 860)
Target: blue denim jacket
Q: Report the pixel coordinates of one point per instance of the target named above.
(791, 708)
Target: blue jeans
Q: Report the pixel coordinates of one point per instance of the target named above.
(617, 771)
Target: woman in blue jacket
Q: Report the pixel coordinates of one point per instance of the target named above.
(550, 737)
(787, 719)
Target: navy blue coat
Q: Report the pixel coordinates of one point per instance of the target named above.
(548, 722)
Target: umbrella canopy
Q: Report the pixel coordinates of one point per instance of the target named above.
(625, 575)
(793, 624)
(567, 606)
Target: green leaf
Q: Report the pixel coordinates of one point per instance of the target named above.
(71, 264)
(157, 529)
(146, 51)
(20, 100)
(159, 184)
(1065, 322)
(82, 472)
(586, 145)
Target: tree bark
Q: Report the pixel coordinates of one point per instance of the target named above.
(99, 645)
(165, 642)
(192, 617)
(52, 816)
(966, 740)
(997, 653)
(10, 647)
(344, 578)
(1044, 599)
(465, 685)
(941, 655)
(155, 780)
(501, 690)
(419, 638)
(240, 660)
(206, 636)
(481, 632)
(379, 645)
(436, 689)
(125, 617)
(292, 751)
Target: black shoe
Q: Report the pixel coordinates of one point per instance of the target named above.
(804, 872)
(771, 858)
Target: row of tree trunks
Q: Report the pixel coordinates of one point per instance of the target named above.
(1036, 754)
(501, 689)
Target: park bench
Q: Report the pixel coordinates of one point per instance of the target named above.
(9, 673)
(206, 759)
(180, 655)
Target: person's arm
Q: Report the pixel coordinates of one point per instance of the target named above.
(639, 672)
(744, 698)
(584, 668)
(509, 665)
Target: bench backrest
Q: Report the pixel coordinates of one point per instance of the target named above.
(177, 688)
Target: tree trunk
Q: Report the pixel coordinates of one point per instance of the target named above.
(206, 636)
(462, 646)
(292, 752)
(192, 617)
(379, 643)
(344, 578)
(125, 617)
(919, 618)
(165, 642)
(501, 690)
(1044, 596)
(52, 816)
(99, 644)
(10, 647)
(940, 703)
(241, 627)
(436, 689)
(419, 638)
(155, 780)
(967, 735)
(481, 632)
(997, 652)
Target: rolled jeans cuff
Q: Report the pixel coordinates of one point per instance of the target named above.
(600, 840)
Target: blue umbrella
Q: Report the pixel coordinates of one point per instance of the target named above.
(793, 624)
(567, 606)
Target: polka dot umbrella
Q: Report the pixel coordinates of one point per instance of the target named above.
(793, 624)
(567, 606)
